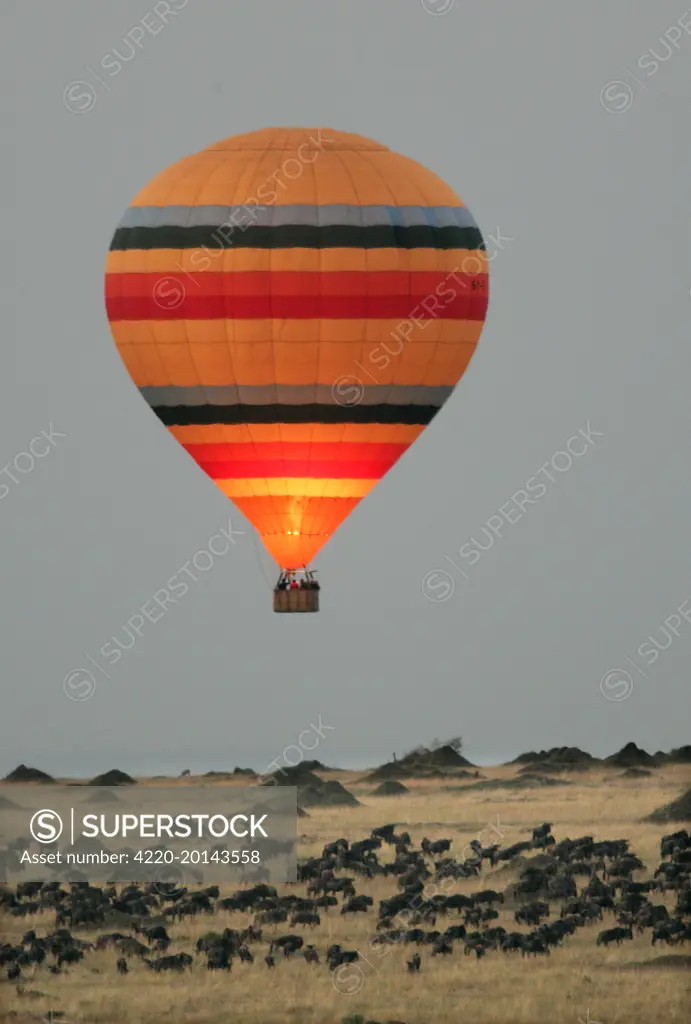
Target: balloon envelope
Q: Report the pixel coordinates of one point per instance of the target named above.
(296, 305)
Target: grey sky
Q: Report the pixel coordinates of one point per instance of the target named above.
(588, 323)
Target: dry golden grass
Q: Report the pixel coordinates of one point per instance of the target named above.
(578, 982)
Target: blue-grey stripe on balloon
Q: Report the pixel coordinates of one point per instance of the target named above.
(241, 217)
(296, 394)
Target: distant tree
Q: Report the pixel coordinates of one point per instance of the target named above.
(420, 752)
(456, 743)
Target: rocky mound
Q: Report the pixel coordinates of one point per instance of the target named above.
(421, 764)
(677, 810)
(113, 778)
(23, 774)
(391, 787)
(680, 755)
(218, 775)
(630, 756)
(567, 757)
(312, 791)
(635, 773)
(563, 758)
(327, 794)
(245, 771)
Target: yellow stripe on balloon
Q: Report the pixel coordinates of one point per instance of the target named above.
(303, 487)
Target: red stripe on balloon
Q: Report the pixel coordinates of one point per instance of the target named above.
(423, 295)
(369, 469)
(301, 282)
(320, 451)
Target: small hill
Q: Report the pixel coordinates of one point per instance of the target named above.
(445, 757)
(635, 773)
(528, 758)
(566, 757)
(23, 774)
(327, 794)
(630, 756)
(249, 772)
(312, 791)
(421, 763)
(677, 810)
(391, 787)
(680, 755)
(113, 778)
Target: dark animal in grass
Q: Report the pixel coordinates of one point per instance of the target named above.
(311, 955)
(667, 932)
(614, 935)
(357, 905)
(218, 958)
(532, 913)
(288, 944)
(414, 963)
(337, 956)
(488, 896)
(534, 945)
(70, 955)
(122, 966)
(14, 971)
(307, 918)
(442, 947)
(176, 962)
(269, 961)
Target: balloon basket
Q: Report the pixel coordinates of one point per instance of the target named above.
(291, 595)
(298, 600)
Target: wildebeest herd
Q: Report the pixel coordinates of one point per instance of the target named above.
(559, 886)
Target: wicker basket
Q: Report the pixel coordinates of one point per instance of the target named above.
(302, 599)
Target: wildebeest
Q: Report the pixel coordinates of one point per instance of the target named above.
(357, 905)
(414, 963)
(614, 935)
(306, 917)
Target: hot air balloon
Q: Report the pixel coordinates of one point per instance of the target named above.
(296, 305)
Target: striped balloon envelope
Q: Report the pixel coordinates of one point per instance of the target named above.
(296, 305)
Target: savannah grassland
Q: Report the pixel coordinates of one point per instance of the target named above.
(577, 983)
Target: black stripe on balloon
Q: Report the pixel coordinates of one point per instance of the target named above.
(299, 236)
(206, 415)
